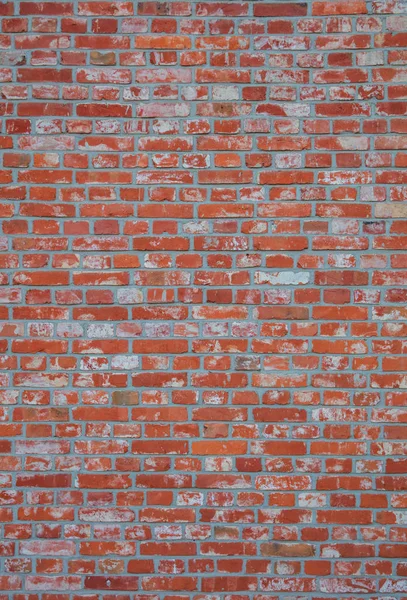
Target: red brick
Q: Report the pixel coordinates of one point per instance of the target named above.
(203, 276)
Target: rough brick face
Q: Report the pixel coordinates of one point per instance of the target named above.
(203, 303)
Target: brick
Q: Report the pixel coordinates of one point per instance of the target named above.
(203, 288)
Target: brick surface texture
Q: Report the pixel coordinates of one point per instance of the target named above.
(203, 303)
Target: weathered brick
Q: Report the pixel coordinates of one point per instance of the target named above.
(203, 303)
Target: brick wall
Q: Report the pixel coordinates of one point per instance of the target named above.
(203, 304)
